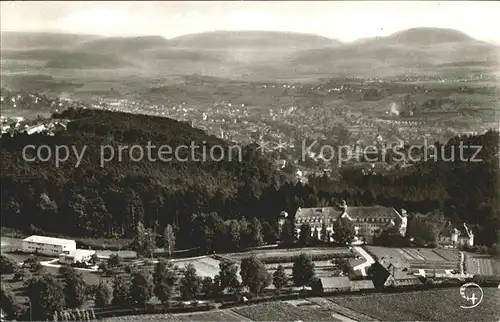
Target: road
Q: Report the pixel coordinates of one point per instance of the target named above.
(369, 260)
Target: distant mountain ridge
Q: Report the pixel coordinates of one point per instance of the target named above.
(270, 52)
(217, 39)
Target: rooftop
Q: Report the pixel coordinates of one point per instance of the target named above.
(335, 282)
(81, 252)
(353, 212)
(48, 240)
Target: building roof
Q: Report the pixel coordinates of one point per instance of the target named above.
(335, 282)
(372, 212)
(80, 253)
(48, 240)
(378, 212)
(362, 284)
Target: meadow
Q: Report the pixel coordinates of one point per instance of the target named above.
(434, 305)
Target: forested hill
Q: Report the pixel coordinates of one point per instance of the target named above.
(465, 191)
(90, 200)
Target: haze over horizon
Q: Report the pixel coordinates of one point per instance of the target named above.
(344, 21)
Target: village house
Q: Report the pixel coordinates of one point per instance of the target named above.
(368, 221)
(390, 273)
(453, 237)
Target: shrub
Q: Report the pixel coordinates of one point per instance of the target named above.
(315, 257)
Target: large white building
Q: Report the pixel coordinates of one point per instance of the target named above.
(368, 221)
(76, 256)
(48, 245)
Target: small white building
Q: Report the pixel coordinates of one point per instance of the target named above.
(79, 255)
(48, 245)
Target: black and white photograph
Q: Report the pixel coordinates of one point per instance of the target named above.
(250, 161)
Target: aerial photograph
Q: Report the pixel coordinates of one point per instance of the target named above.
(250, 161)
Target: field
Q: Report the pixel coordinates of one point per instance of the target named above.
(151, 317)
(483, 265)
(219, 315)
(280, 311)
(286, 252)
(205, 266)
(435, 305)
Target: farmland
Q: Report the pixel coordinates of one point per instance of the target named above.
(280, 311)
(218, 315)
(261, 253)
(205, 266)
(435, 305)
(483, 265)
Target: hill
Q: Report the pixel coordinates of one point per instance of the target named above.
(161, 185)
(410, 49)
(83, 60)
(32, 40)
(420, 36)
(122, 45)
(232, 39)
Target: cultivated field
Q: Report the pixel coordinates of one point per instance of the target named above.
(281, 311)
(205, 266)
(435, 305)
(150, 317)
(483, 265)
(286, 252)
(219, 315)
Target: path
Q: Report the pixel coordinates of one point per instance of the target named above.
(369, 260)
(51, 264)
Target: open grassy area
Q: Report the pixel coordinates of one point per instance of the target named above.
(262, 253)
(219, 315)
(280, 311)
(435, 305)
(483, 265)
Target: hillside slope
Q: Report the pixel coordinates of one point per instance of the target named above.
(232, 39)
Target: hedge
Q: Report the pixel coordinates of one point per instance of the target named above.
(315, 257)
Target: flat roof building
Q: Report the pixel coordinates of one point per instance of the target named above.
(49, 246)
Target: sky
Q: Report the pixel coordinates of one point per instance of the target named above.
(342, 20)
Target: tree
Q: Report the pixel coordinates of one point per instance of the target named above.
(324, 233)
(114, 260)
(7, 265)
(8, 303)
(344, 265)
(280, 279)
(303, 270)
(233, 232)
(121, 292)
(316, 286)
(217, 289)
(269, 233)
(103, 294)
(207, 286)
(190, 283)
(139, 239)
(256, 238)
(228, 277)
(169, 239)
(164, 280)
(305, 235)
(390, 237)
(343, 231)
(141, 289)
(254, 274)
(74, 288)
(46, 296)
(287, 233)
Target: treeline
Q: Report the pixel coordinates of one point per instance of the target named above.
(465, 191)
(109, 201)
